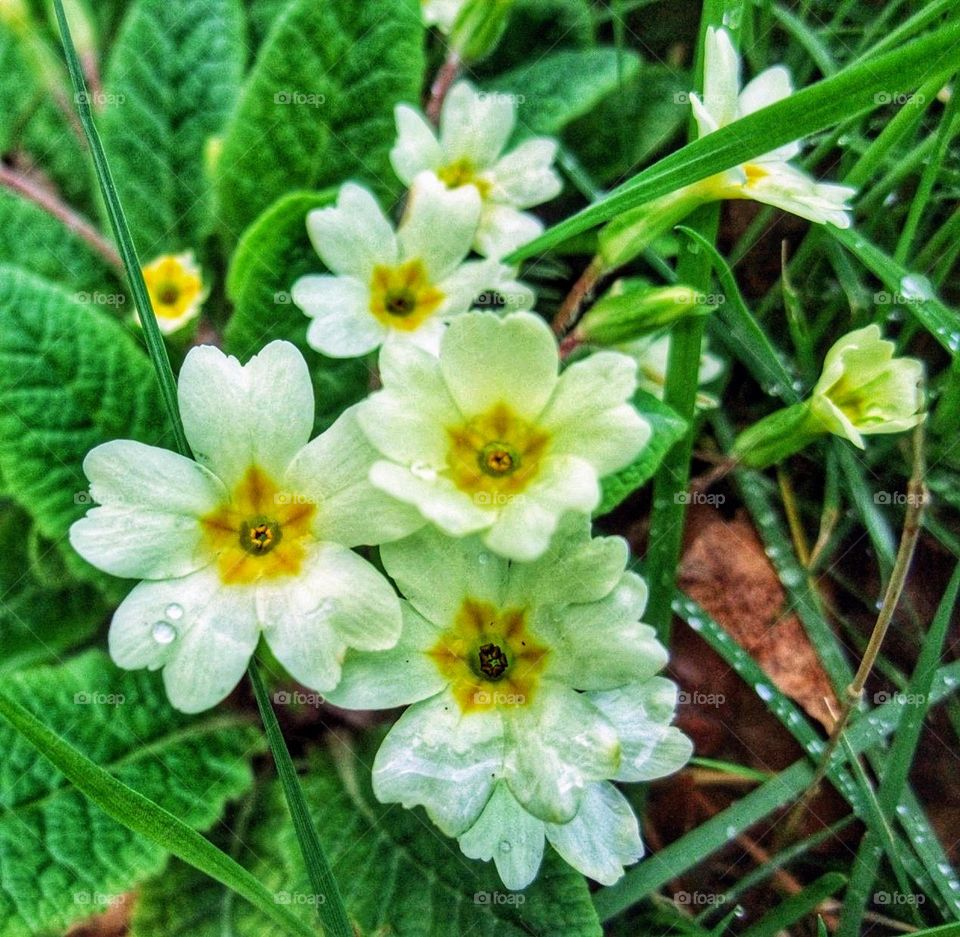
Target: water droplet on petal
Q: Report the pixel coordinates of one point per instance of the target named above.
(174, 612)
(163, 632)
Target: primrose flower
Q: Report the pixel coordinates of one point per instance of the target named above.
(387, 285)
(488, 438)
(863, 390)
(175, 286)
(770, 178)
(441, 13)
(475, 128)
(532, 686)
(251, 538)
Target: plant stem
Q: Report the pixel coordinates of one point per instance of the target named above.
(569, 310)
(442, 84)
(333, 914)
(121, 230)
(25, 186)
(916, 499)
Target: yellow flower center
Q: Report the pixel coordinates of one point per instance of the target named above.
(174, 286)
(754, 173)
(260, 533)
(403, 297)
(495, 455)
(463, 172)
(489, 657)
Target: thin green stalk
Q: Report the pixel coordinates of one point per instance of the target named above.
(121, 230)
(333, 914)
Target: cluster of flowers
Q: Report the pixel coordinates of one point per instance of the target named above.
(516, 639)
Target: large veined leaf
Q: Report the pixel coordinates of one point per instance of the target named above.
(71, 378)
(318, 107)
(172, 80)
(554, 90)
(396, 871)
(273, 253)
(36, 241)
(42, 612)
(63, 859)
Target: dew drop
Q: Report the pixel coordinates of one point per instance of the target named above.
(764, 692)
(916, 287)
(163, 632)
(483, 559)
(424, 471)
(505, 845)
(174, 611)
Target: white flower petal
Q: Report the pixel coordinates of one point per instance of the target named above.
(475, 125)
(338, 600)
(152, 500)
(792, 190)
(602, 644)
(437, 757)
(408, 419)
(488, 360)
(439, 224)
(590, 414)
(435, 498)
(343, 325)
(398, 676)
(236, 416)
(420, 562)
(770, 86)
(641, 714)
(506, 833)
(706, 123)
(333, 469)
(525, 177)
(417, 147)
(355, 236)
(721, 76)
(556, 746)
(575, 568)
(465, 284)
(504, 228)
(525, 525)
(602, 838)
(200, 632)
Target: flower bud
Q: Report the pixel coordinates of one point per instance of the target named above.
(776, 437)
(632, 309)
(478, 28)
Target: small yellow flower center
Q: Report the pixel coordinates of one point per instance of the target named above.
(495, 455)
(489, 657)
(174, 286)
(462, 172)
(259, 533)
(754, 173)
(403, 297)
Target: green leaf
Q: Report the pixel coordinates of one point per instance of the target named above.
(628, 126)
(272, 254)
(50, 139)
(173, 78)
(71, 378)
(64, 859)
(18, 85)
(396, 870)
(36, 241)
(856, 89)
(318, 107)
(797, 906)
(554, 90)
(42, 612)
(667, 428)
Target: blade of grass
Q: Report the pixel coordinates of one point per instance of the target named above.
(332, 912)
(853, 90)
(796, 907)
(143, 816)
(121, 231)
